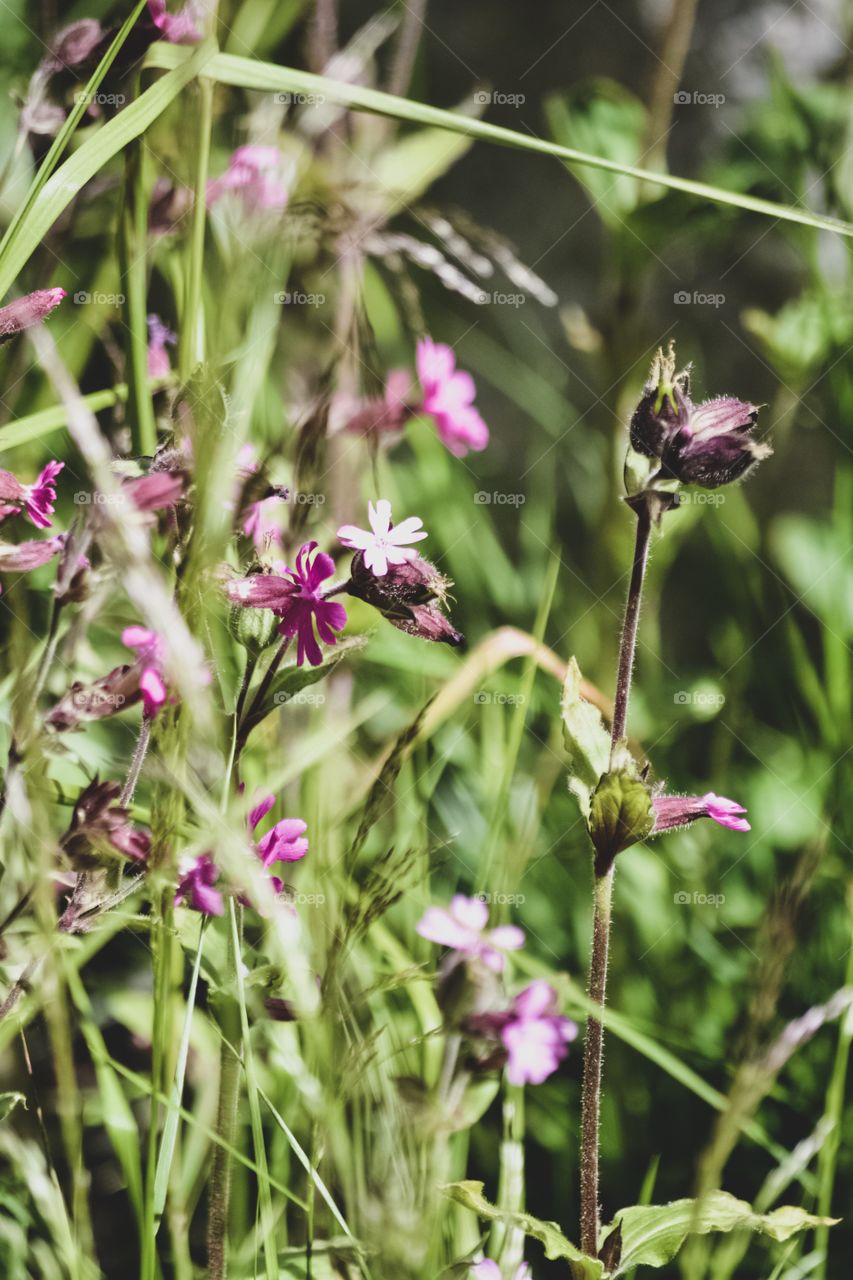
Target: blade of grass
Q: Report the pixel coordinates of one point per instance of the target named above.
(63, 185)
(62, 138)
(244, 73)
(252, 1093)
(170, 1128)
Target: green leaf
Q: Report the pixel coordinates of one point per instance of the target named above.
(605, 119)
(555, 1244)
(8, 1102)
(245, 73)
(586, 739)
(291, 680)
(63, 185)
(653, 1234)
(620, 815)
(410, 167)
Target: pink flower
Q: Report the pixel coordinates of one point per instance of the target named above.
(151, 656)
(196, 886)
(295, 596)
(679, 811)
(488, 1270)
(22, 556)
(381, 414)
(254, 172)
(285, 842)
(24, 312)
(177, 28)
(536, 1036)
(386, 543)
(260, 523)
(156, 490)
(160, 338)
(463, 928)
(448, 395)
(35, 499)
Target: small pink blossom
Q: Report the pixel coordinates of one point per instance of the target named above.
(261, 524)
(384, 544)
(462, 927)
(36, 500)
(295, 595)
(151, 656)
(448, 396)
(181, 27)
(536, 1037)
(20, 557)
(24, 312)
(160, 338)
(285, 842)
(678, 811)
(255, 174)
(379, 415)
(196, 886)
(489, 1270)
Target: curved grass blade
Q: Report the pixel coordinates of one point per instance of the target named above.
(64, 184)
(245, 73)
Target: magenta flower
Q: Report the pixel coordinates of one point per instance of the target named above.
(196, 886)
(156, 490)
(462, 927)
(679, 811)
(536, 1037)
(24, 312)
(255, 174)
(295, 596)
(177, 28)
(448, 396)
(384, 543)
(36, 500)
(285, 842)
(160, 338)
(151, 656)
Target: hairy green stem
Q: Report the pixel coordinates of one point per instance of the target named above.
(191, 346)
(226, 1123)
(136, 763)
(602, 911)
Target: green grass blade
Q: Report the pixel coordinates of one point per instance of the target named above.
(173, 1116)
(62, 138)
(63, 185)
(244, 73)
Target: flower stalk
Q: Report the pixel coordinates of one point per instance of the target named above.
(603, 901)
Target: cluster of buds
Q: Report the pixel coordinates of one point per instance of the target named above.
(708, 444)
(100, 829)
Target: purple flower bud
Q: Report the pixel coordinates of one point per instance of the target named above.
(709, 444)
(410, 595)
(678, 811)
(73, 45)
(113, 693)
(24, 312)
(100, 829)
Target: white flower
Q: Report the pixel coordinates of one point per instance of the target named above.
(383, 544)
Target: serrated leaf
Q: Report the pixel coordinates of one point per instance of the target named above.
(653, 1234)
(586, 739)
(549, 1235)
(621, 814)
